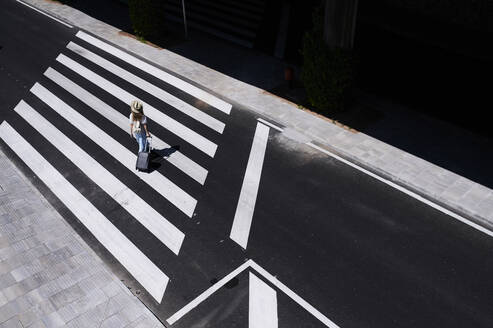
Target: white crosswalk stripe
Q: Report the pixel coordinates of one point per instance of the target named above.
(242, 221)
(178, 159)
(158, 73)
(159, 117)
(159, 93)
(69, 102)
(132, 259)
(166, 232)
(158, 182)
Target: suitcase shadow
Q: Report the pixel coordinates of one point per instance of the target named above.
(165, 152)
(158, 155)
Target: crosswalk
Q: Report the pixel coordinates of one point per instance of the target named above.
(75, 108)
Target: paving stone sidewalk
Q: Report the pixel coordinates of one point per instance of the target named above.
(49, 277)
(452, 191)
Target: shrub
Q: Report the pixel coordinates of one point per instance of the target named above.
(147, 17)
(327, 73)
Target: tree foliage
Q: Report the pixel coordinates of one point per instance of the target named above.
(148, 18)
(327, 73)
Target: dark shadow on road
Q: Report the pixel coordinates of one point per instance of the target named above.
(153, 165)
(165, 152)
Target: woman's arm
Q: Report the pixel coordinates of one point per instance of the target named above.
(147, 132)
(131, 129)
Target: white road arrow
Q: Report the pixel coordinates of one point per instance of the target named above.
(260, 293)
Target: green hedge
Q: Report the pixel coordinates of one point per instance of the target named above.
(148, 18)
(327, 73)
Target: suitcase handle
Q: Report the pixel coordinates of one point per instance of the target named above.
(149, 142)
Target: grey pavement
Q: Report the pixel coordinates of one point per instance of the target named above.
(446, 188)
(49, 277)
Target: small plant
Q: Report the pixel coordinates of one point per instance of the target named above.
(327, 73)
(148, 19)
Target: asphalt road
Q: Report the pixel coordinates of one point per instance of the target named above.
(360, 252)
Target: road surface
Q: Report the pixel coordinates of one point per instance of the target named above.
(238, 224)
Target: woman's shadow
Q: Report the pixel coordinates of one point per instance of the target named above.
(157, 156)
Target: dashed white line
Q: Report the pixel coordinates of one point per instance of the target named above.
(242, 222)
(42, 12)
(124, 251)
(406, 191)
(158, 73)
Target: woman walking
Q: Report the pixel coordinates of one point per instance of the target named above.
(138, 124)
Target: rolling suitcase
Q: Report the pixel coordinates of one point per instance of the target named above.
(143, 157)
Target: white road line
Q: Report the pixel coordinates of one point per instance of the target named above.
(157, 116)
(304, 304)
(273, 280)
(270, 124)
(183, 163)
(211, 290)
(406, 191)
(157, 181)
(132, 259)
(167, 233)
(42, 12)
(249, 189)
(151, 89)
(158, 73)
(262, 308)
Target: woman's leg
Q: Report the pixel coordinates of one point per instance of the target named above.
(141, 141)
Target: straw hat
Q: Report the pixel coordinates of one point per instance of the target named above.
(136, 106)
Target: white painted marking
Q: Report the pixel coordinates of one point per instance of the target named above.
(42, 12)
(262, 308)
(406, 191)
(158, 73)
(211, 290)
(249, 189)
(124, 251)
(167, 233)
(151, 89)
(159, 117)
(157, 181)
(270, 124)
(273, 280)
(304, 304)
(183, 163)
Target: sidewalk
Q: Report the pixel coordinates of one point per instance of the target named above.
(49, 277)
